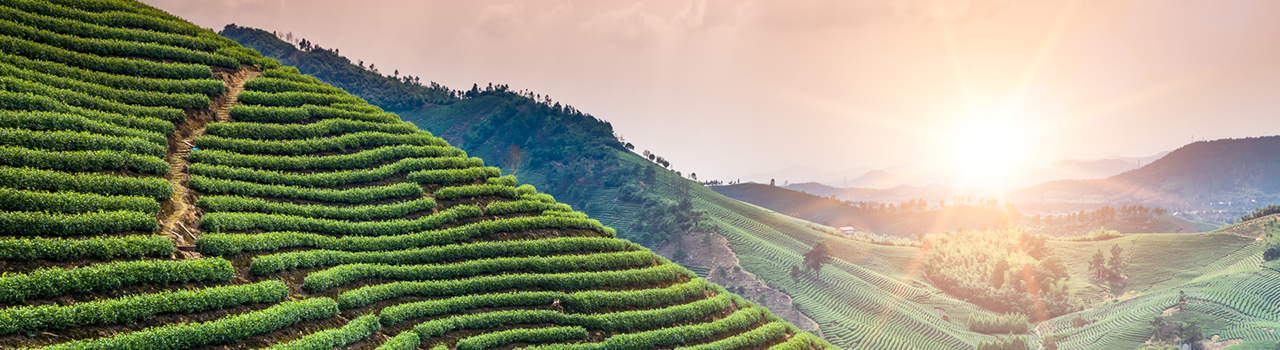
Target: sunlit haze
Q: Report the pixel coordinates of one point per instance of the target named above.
(976, 89)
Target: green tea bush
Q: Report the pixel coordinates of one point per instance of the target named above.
(361, 159)
(362, 212)
(344, 274)
(72, 202)
(62, 249)
(224, 221)
(352, 196)
(327, 127)
(522, 335)
(56, 181)
(81, 160)
(327, 144)
(330, 179)
(35, 223)
(50, 282)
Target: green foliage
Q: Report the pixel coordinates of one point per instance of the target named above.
(267, 264)
(999, 324)
(56, 181)
(666, 336)
(344, 274)
(321, 128)
(315, 145)
(46, 121)
(220, 244)
(112, 18)
(133, 97)
(334, 178)
(50, 282)
(1010, 343)
(115, 47)
(294, 98)
(448, 176)
(456, 192)
(276, 85)
(269, 114)
(72, 202)
(224, 330)
(32, 102)
(35, 223)
(388, 92)
(1158, 347)
(362, 159)
(626, 321)
(113, 65)
(86, 30)
(204, 86)
(353, 196)
(362, 212)
(137, 307)
(560, 281)
(78, 141)
(359, 328)
(522, 335)
(407, 340)
(1261, 212)
(218, 222)
(584, 301)
(81, 160)
(80, 99)
(62, 249)
(802, 341)
(753, 337)
(1271, 235)
(1005, 271)
(523, 206)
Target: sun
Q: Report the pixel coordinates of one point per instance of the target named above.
(986, 152)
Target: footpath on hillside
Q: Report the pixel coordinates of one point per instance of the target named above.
(178, 215)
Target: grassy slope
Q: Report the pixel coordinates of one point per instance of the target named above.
(248, 236)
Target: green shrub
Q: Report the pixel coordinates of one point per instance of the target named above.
(447, 176)
(362, 159)
(583, 301)
(137, 307)
(294, 98)
(359, 328)
(133, 97)
(455, 192)
(33, 102)
(48, 121)
(560, 281)
(522, 335)
(407, 340)
(626, 321)
(80, 99)
(204, 86)
(114, 65)
(523, 206)
(114, 47)
(1017, 342)
(330, 179)
(327, 127)
(666, 336)
(1013, 323)
(81, 160)
(224, 330)
(78, 141)
(353, 196)
(62, 249)
(218, 244)
(344, 274)
(72, 202)
(56, 181)
(750, 338)
(362, 212)
(327, 144)
(223, 221)
(268, 114)
(34, 223)
(273, 263)
(110, 19)
(275, 85)
(50, 282)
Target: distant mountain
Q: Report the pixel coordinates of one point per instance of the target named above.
(1225, 176)
(802, 174)
(1086, 169)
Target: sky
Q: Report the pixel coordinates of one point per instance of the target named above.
(980, 89)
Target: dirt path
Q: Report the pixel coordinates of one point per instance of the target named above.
(179, 214)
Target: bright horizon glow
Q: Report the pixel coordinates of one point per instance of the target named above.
(987, 152)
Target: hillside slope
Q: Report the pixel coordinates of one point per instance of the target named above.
(165, 188)
(1227, 177)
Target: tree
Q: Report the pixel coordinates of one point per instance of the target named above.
(1116, 264)
(647, 154)
(1191, 333)
(1157, 326)
(515, 157)
(693, 176)
(679, 255)
(630, 147)
(815, 258)
(1182, 300)
(1097, 264)
(771, 183)
(795, 272)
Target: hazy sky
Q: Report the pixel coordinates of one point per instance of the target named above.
(729, 88)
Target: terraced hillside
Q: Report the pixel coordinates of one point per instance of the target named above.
(165, 188)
